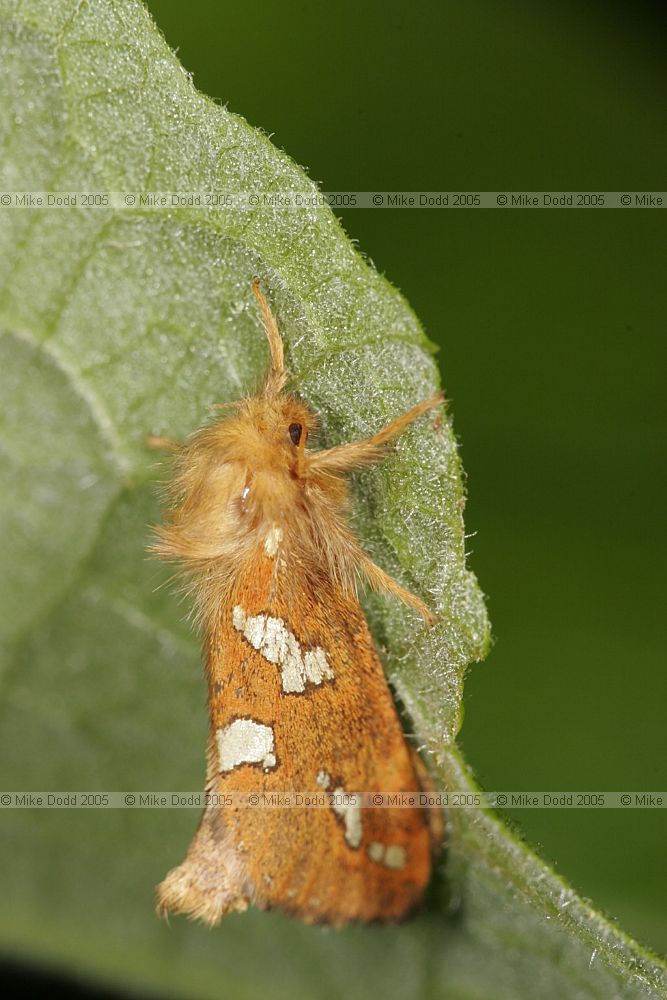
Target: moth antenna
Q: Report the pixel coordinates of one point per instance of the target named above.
(276, 376)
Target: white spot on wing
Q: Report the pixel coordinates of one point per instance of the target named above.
(391, 856)
(376, 851)
(394, 856)
(278, 645)
(323, 779)
(350, 812)
(273, 540)
(317, 666)
(245, 742)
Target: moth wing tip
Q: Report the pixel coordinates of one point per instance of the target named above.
(183, 891)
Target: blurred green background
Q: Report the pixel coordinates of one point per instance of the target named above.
(550, 324)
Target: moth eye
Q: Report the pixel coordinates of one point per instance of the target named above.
(294, 431)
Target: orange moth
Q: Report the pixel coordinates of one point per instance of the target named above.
(297, 696)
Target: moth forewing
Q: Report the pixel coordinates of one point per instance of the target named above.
(298, 700)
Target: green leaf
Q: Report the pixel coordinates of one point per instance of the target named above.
(119, 321)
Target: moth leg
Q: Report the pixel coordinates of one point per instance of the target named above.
(380, 580)
(436, 821)
(162, 443)
(372, 449)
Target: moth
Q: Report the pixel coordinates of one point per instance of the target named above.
(297, 696)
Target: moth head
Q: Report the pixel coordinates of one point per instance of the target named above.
(268, 432)
(293, 421)
(269, 435)
(280, 422)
